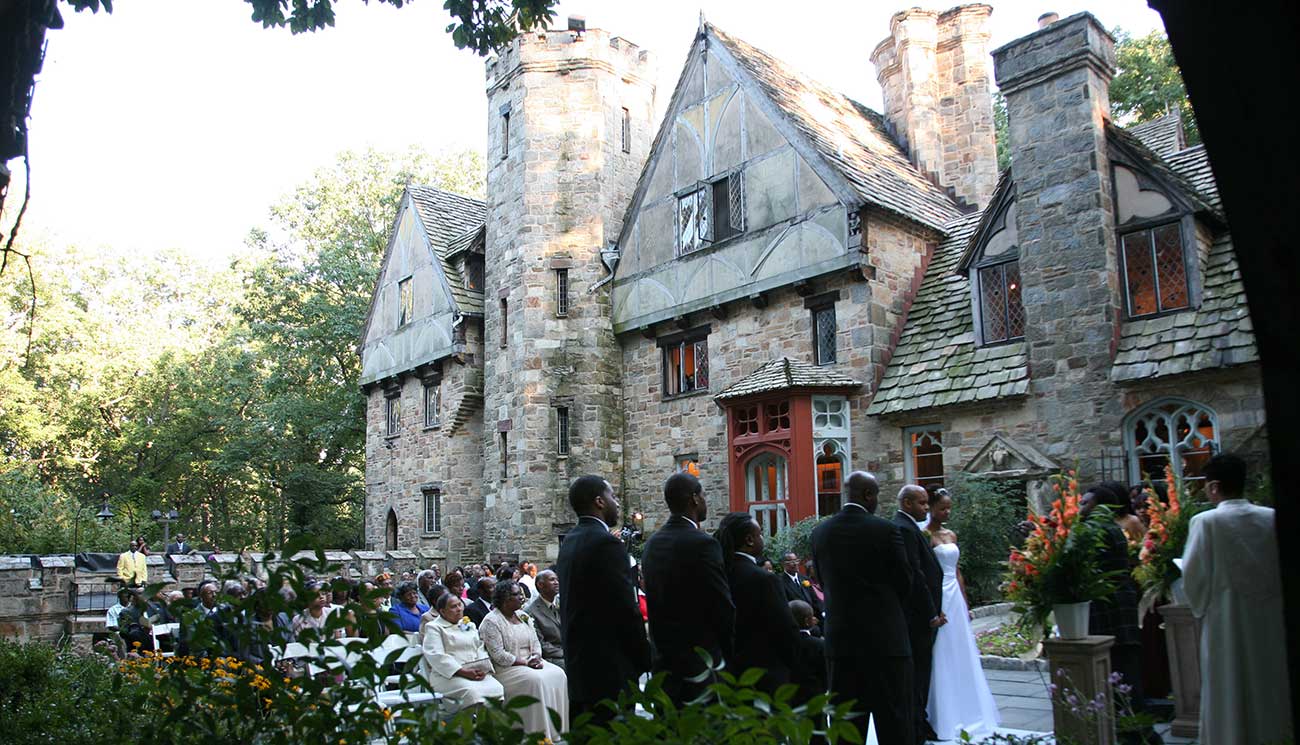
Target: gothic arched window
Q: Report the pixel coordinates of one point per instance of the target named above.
(1169, 427)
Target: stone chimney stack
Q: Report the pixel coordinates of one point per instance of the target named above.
(934, 71)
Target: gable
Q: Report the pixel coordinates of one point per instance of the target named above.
(388, 345)
(721, 133)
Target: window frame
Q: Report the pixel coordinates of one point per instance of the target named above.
(1179, 406)
(562, 292)
(505, 322)
(1002, 261)
(431, 495)
(1185, 226)
(695, 339)
(405, 301)
(909, 455)
(625, 130)
(563, 431)
(505, 133)
(503, 445)
(705, 213)
(816, 314)
(435, 387)
(393, 414)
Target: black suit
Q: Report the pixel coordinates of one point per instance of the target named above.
(477, 611)
(605, 648)
(689, 603)
(179, 548)
(765, 632)
(865, 574)
(809, 671)
(794, 590)
(923, 605)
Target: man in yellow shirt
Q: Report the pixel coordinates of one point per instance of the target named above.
(132, 568)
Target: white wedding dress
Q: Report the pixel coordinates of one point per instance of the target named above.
(959, 694)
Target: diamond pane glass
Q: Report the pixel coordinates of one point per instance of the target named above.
(701, 364)
(825, 321)
(993, 304)
(736, 184)
(1139, 274)
(1015, 308)
(1170, 268)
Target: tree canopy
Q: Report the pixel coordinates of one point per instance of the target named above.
(1148, 83)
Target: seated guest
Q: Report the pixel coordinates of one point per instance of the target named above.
(516, 655)
(430, 588)
(470, 589)
(479, 609)
(454, 660)
(315, 614)
(341, 590)
(809, 671)
(384, 581)
(123, 601)
(134, 624)
(408, 607)
(545, 612)
(455, 584)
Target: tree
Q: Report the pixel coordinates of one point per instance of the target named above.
(1147, 83)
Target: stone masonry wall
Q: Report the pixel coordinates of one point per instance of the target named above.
(556, 190)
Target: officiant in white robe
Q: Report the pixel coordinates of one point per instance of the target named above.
(1233, 584)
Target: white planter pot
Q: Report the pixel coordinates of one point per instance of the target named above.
(1071, 619)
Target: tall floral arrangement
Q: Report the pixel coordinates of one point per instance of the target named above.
(1059, 562)
(1166, 537)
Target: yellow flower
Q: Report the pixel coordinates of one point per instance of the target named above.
(806, 583)
(388, 714)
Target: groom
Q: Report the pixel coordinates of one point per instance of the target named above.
(924, 605)
(866, 575)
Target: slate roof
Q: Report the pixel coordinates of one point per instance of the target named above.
(936, 362)
(451, 221)
(1163, 169)
(1217, 334)
(1162, 135)
(784, 373)
(852, 138)
(1193, 164)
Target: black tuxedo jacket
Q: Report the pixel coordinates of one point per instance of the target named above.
(476, 611)
(926, 597)
(600, 621)
(687, 597)
(865, 575)
(809, 671)
(177, 548)
(765, 631)
(794, 590)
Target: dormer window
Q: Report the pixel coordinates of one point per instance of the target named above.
(474, 272)
(992, 264)
(1155, 270)
(1002, 315)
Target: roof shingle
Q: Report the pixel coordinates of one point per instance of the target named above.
(451, 222)
(784, 373)
(1162, 135)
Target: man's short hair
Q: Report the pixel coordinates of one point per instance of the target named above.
(485, 584)
(583, 492)
(801, 612)
(678, 490)
(426, 573)
(1229, 469)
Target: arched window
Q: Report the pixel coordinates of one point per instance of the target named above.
(390, 531)
(1166, 427)
(765, 491)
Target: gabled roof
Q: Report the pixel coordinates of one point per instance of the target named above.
(936, 362)
(1003, 195)
(1193, 164)
(1159, 168)
(1217, 334)
(784, 373)
(851, 138)
(1162, 135)
(451, 222)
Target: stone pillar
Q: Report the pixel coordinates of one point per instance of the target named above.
(400, 561)
(1081, 667)
(369, 564)
(1183, 640)
(188, 570)
(1056, 84)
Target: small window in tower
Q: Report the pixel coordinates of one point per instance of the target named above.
(561, 293)
(505, 135)
(505, 319)
(562, 430)
(823, 323)
(407, 300)
(627, 131)
(504, 454)
(432, 510)
(393, 414)
(433, 403)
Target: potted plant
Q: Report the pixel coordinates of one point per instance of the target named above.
(1057, 573)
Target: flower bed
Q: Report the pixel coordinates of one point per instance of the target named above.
(1005, 641)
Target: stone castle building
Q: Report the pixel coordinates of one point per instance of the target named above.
(776, 285)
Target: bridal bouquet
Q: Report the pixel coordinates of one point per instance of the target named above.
(1165, 540)
(1059, 563)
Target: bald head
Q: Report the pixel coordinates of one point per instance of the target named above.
(863, 489)
(915, 501)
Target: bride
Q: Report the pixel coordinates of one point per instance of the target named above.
(959, 694)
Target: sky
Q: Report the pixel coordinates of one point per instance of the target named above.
(176, 125)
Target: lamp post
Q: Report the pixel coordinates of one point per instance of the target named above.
(103, 516)
(166, 518)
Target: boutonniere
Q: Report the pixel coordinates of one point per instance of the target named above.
(465, 624)
(522, 616)
(806, 583)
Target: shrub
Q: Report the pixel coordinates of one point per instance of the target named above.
(985, 514)
(796, 538)
(53, 695)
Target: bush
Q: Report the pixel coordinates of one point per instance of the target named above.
(52, 695)
(985, 514)
(796, 538)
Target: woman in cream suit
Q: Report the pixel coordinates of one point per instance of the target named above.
(451, 647)
(516, 653)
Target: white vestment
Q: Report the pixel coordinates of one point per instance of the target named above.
(1233, 582)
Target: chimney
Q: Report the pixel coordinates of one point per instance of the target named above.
(1048, 19)
(934, 71)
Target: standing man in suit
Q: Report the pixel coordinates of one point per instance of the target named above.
(479, 609)
(866, 576)
(809, 671)
(796, 586)
(132, 567)
(765, 633)
(605, 648)
(686, 589)
(545, 612)
(924, 605)
(179, 546)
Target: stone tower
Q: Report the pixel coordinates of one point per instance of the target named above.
(570, 119)
(934, 73)
(1057, 81)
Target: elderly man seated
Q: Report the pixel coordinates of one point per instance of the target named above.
(544, 609)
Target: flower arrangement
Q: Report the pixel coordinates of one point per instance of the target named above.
(1166, 537)
(1058, 563)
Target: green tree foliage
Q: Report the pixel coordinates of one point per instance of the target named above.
(984, 517)
(227, 393)
(1148, 83)
(1002, 130)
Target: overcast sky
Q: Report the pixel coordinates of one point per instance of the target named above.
(177, 124)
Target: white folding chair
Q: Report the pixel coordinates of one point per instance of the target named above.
(167, 630)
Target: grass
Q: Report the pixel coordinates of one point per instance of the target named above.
(1004, 641)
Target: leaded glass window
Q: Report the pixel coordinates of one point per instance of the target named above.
(686, 366)
(406, 299)
(1170, 433)
(692, 221)
(824, 335)
(432, 404)
(923, 464)
(1002, 314)
(393, 414)
(1155, 273)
